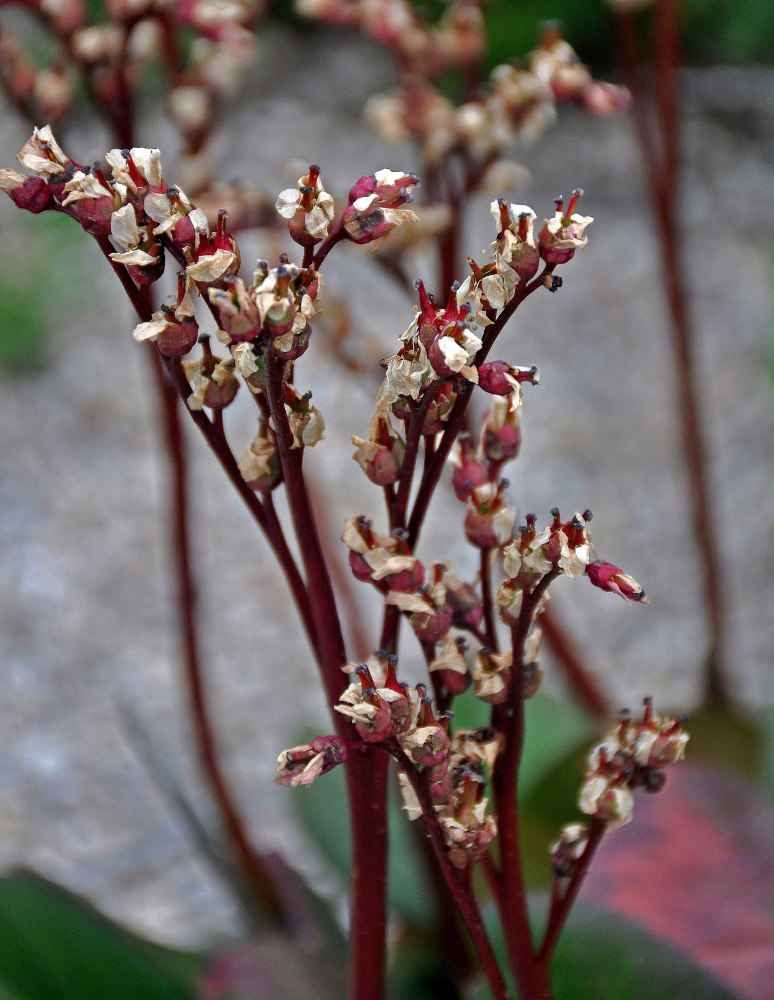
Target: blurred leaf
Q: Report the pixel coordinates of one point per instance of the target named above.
(603, 956)
(38, 286)
(322, 808)
(419, 971)
(695, 867)
(277, 967)
(725, 736)
(764, 719)
(54, 946)
(513, 29)
(554, 730)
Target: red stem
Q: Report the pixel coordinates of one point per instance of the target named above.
(366, 774)
(663, 175)
(458, 882)
(561, 904)
(180, 548)
(486, 599)
(531, 979)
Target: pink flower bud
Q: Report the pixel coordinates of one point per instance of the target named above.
(469, 472)
(502, 443)
(500, 378)
(374, 205)
(146, 274)
(432, 627)
(33, 194)
(392, 187)
(178, 339)
(606, 576)
(360, 568)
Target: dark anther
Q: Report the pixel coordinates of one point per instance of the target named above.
(654, 781)
(587, 515)
(554, 512)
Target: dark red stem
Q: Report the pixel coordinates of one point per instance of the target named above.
(259, 881)
(562, 903)
(662, 170)
(486, 599)
(366, 773)
(508, 718)
(458, 881)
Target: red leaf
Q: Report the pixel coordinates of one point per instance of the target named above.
(696, 866)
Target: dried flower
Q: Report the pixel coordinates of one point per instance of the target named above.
(303, 764)
(561, 236)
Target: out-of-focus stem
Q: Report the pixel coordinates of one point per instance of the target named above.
(259, 881)
(662, 170)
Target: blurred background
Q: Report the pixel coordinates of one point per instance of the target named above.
(98, 776)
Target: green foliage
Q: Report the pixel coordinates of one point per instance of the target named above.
(54, 946)
(38, 286)
(323, 811)
(765, 772)
(603, 956)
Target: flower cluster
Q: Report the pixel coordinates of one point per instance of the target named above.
(515, 103)
(115, 54)
(434, 599)
(632, 756)
(130, 206)
(450, 770)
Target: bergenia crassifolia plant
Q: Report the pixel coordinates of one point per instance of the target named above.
(482, 634)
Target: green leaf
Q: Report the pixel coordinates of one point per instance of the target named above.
(764, 719)
(54, 945)
(727, 736)
(554, 730)
(37, 287)
(603, 956)
(322, 808)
